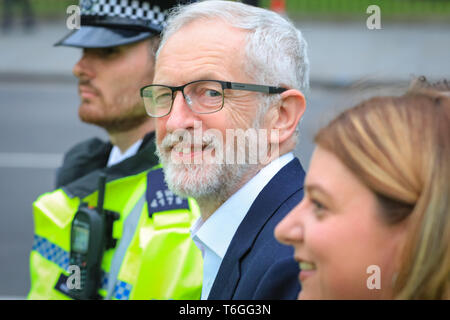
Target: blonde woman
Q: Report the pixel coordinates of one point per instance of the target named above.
(375, 219)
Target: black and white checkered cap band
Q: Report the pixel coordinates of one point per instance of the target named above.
(123, 12)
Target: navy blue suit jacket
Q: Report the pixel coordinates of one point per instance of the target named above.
(256, 265)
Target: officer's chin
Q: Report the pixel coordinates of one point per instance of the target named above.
(88, 113)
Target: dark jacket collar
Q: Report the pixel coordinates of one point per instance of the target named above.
(82, 165)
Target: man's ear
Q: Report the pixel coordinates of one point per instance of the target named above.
(286, 116)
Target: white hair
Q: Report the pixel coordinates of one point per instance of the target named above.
(275, 52)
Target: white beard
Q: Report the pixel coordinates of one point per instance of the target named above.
(207, 180)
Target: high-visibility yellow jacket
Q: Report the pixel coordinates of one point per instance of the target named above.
(158, 261)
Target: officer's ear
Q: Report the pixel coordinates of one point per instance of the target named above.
(284, 118)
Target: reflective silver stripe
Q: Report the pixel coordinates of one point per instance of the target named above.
(129, 228)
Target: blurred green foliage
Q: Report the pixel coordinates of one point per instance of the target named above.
(51, 8)
(311, 9)
(45, 9)
(348, 9)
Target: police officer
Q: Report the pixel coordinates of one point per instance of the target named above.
(118, 39)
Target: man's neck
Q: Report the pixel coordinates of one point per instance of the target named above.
(208, 207)
(210, 204)
(125, 139)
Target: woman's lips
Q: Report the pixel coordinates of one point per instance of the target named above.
(307, 269)
(303, 275)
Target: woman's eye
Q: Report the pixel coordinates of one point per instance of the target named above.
(319, 208)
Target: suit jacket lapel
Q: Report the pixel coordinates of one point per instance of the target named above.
(282, 186)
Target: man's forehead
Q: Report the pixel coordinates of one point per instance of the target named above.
(206, 33)
(211, 47)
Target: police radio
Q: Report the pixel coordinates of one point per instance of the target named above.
(90, 236)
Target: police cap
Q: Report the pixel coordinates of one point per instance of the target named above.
(109, 23)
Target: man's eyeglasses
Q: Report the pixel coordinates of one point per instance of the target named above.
(202, 96)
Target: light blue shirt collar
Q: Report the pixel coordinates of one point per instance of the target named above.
(117, 156)
(214, 235)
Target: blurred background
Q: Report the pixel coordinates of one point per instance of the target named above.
(39, 101)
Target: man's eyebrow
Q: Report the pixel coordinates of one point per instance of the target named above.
(208, 76)
(202, 76)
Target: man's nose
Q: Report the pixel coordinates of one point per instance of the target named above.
(84, 69)
(181, 116)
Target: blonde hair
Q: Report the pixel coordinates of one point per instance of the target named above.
(400, 148)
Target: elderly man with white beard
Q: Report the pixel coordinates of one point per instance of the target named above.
(228, 67)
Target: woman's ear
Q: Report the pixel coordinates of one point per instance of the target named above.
(285, 117)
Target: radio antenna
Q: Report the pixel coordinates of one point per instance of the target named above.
(101, 192)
